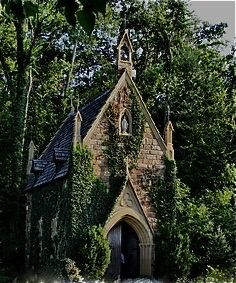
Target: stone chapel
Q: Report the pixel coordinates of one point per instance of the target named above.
(130, 225)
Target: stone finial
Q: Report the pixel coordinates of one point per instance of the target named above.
(125, 49)
(77, 126)
(168, 132)
(30, 157)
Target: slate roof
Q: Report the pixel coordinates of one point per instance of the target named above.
(54, 162)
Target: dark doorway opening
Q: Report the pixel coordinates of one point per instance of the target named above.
(130, 250)
(125, 254)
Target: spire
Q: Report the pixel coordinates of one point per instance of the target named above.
(125, 49)
(77, 127)
(168, 132)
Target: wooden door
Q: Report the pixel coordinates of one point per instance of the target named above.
(114, 237)
(130, 249)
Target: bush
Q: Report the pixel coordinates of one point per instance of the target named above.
(95, 253)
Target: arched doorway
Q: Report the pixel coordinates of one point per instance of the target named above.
(128, 216)
(125, 254)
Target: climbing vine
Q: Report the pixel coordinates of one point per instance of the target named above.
(71, 229)
(120, 149)
(89, 198)
(49, 228)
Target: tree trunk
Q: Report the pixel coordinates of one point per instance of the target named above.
(19, 106)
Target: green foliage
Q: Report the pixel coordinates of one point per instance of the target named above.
(212, 230)
(121, 149)
(216, 275)
(94, 253)
(47, 247)
(70, 271)
(177, 63)
(80, 206)
(89, 195)
(90, 204)
(4, 276)
(86, 15)
(192, 233)
(85, 11)
(174, 256)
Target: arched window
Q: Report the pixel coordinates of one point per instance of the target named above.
(125, 123)
(124, 53)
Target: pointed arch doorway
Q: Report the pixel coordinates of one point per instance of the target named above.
(125, 256)
(131, 242)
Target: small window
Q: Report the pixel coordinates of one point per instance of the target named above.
(124, 53)
(125, 123)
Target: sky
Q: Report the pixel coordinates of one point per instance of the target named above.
(214, 12)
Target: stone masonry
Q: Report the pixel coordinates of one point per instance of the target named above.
(150, 160)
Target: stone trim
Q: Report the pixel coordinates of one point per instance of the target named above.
(139, 224)
(125, 78)
(146, 113)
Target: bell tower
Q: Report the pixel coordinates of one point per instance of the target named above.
(125, 49)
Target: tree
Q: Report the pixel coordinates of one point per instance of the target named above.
(30, 34)
(178, 65)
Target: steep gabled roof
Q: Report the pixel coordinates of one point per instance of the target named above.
(62, 141)
(90, 111)
(126, 79)
(50, 169)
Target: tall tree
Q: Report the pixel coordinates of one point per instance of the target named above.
(31, 39)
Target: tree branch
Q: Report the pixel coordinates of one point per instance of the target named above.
(70, 74)
(27, 103)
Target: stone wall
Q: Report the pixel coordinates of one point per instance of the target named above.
(97, 147)
(150, 161)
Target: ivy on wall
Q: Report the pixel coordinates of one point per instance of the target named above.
(66, 222)
(89, 198)
(119, 148)
(79, 207)
(49, 204)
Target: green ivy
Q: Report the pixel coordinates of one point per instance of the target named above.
(89, 203)
(119, 148)
(44, 258)
(95, 253)
(170, 197)
(81, 208)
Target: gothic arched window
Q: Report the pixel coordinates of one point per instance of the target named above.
(125, 123)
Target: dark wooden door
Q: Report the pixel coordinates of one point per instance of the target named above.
(114, 237)
(125, 252)
(131, 252)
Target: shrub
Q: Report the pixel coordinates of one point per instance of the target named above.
(95, 253)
